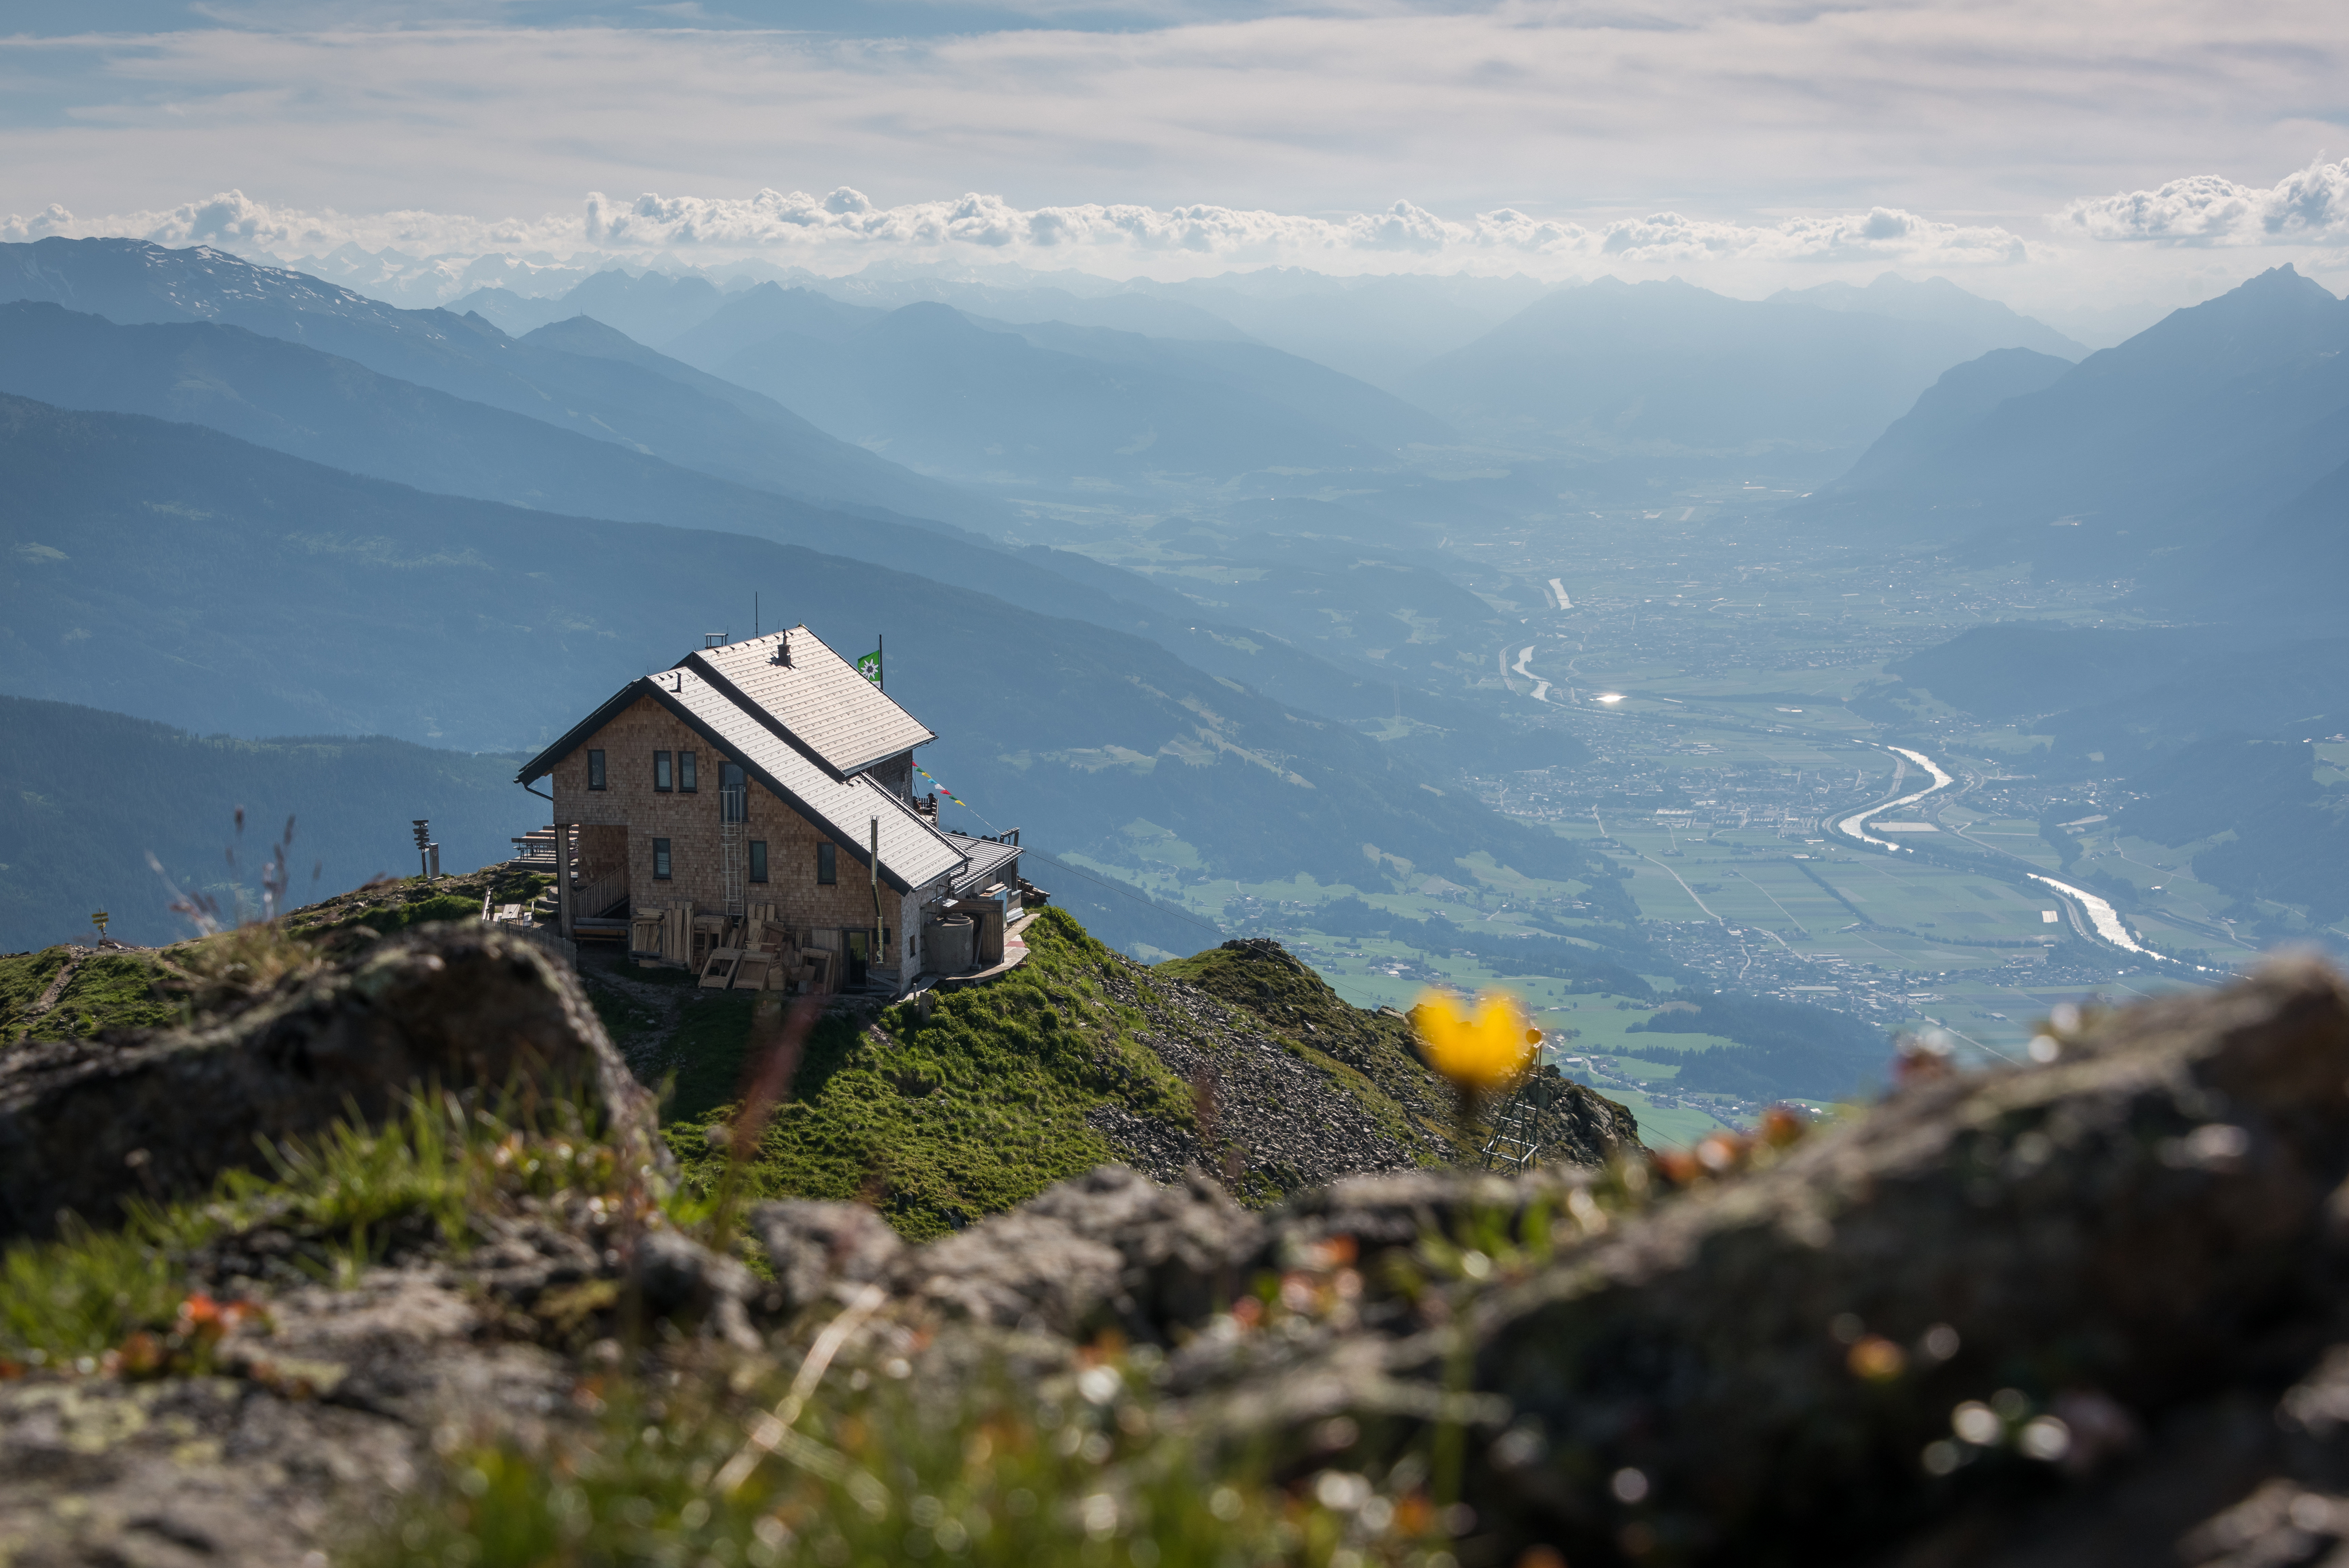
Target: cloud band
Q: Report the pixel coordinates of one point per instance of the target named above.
(2310, 207)
(797, 227)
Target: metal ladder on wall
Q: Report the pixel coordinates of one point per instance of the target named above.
(733, 802)
(1516, 1145)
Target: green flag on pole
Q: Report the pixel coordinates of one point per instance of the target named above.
(869, 667)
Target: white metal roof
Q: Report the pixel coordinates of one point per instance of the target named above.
(846, 719)
(913, 853)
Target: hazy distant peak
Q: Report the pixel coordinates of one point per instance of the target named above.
(1608, 283)
(616, 282)
(138, 281)
(580, 334)
(1964, 395)
(1939, 301)
(991, 275)
(761, 314)
(2276, 318)
(481, 325)
(771, 295)
(2282, 280)
(929, 318)
(2279, 287)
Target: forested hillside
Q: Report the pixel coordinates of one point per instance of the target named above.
(87, 796)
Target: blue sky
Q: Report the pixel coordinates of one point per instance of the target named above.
(2069, 149)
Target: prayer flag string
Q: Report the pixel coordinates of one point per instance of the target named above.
(941, 789)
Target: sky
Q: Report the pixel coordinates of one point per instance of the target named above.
(2068, 156)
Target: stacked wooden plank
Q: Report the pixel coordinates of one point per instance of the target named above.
(754, 951)
(657, 935)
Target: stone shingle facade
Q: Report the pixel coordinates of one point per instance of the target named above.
(620, 824)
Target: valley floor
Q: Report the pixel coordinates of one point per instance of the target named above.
(1732, 695)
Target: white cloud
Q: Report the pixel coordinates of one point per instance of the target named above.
(1402, 233)
(234, 222)
(845, 229)
(2310, 207)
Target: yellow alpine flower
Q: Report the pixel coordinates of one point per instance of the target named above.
(1478, 1053)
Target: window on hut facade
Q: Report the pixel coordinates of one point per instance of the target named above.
(733, 793)
(661, 779)
(594, 770)
(660, 859)
(685, 772)
(827, 863)
(758, 860)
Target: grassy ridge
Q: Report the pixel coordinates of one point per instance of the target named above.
(1001, 1091)
(1006, 1088)
(978, 1109)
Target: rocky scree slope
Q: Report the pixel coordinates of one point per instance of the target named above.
(1259, 978)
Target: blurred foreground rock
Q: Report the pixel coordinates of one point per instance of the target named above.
(85, 1124)
(2089, 1313)
(2092, 1313)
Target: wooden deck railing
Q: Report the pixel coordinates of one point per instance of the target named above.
(595, 895)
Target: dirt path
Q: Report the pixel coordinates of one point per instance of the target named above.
(57, 987)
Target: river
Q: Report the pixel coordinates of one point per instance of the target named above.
(1855, 825)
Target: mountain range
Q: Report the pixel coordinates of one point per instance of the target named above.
(656, 307)
(552, 486)
(165, 570)
(2184, 438)
(953, 395)
(664, 410)
(336, 411)
(1611, 367)
(1938, 302)
(1378, 327)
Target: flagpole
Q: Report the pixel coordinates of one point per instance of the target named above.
(880, 658)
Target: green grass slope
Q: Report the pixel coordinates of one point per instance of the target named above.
(938, 1123)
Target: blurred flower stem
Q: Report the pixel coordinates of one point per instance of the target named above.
(1483, 1050)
